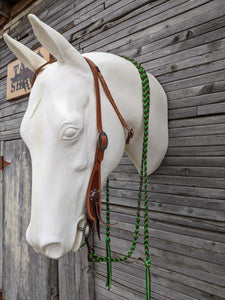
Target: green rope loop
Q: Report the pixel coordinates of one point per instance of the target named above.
(143, 181)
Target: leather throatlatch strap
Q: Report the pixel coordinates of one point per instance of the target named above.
(94, 186)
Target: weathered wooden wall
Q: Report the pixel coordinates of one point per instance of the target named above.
(182, 43)
(26, 275)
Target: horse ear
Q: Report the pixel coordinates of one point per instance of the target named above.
(32, 60)
(56, 44)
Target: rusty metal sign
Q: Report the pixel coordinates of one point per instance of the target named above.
(19, 77)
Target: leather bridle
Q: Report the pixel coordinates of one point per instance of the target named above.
(94, 186)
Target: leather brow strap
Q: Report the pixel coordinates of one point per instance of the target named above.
(38, 70)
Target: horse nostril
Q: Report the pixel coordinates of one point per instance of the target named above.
(53, 250)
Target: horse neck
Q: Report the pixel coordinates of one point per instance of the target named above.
(125, 85)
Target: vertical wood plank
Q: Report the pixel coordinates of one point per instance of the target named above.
(76, 277)
(54, 280)
(1, 219)
(26, 275)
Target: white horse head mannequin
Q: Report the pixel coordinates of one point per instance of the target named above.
(60, 130)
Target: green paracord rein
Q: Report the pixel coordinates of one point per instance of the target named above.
(143, 179)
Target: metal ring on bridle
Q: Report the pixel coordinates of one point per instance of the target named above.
(81, 228)
(131, 132)
(85, 229)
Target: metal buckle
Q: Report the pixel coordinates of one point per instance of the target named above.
(131, 132)
(101, 146)
(94, 195)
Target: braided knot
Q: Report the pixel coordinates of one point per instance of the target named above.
(107, 240)
(148, 263)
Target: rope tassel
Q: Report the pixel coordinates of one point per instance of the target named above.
(148, 279)
(109, 263)
(107, 240)
(148, 283)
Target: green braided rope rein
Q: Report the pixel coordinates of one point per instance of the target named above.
(143, 179)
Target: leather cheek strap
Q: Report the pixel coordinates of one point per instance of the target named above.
(94, 192)
(94, 186)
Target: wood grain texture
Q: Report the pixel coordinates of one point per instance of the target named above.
(1, 219)
(25, 273)
(182, 43)
(76, 277)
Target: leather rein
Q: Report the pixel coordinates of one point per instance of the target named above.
(94, 186)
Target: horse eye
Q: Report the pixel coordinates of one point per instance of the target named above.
(69, 133)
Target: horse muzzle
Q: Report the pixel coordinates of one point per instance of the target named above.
(54, 245)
